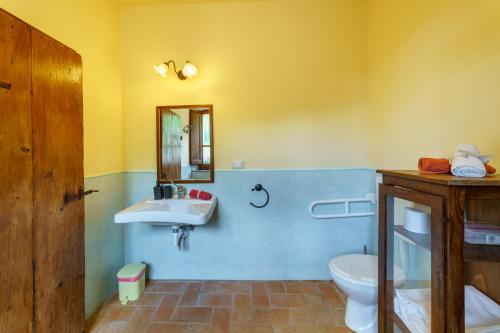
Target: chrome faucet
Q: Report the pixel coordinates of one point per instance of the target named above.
(181, 190)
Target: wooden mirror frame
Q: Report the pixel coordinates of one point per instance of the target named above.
(159, 163)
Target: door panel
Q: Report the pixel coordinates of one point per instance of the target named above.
(195, 140)
(16, 199)
(171, 144)
(58, 175)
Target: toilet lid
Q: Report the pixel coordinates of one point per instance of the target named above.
(361, 269)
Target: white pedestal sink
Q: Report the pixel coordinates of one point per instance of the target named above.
(170, 212)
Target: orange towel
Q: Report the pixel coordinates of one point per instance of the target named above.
(434, 165)
(442, 165)
(490, 170)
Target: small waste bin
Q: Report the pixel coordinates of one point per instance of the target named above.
(131, 282)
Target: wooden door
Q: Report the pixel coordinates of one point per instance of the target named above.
(171, 144)
(16, 277)
(58, 219)
(195, 138)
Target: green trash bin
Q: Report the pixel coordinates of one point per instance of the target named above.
(131, 282)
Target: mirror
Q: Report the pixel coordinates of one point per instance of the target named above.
(185, 144)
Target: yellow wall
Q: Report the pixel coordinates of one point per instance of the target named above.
(288, 79)
(91, 28)
(434, 78)
(322, 83)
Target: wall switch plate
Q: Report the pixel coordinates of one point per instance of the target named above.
(238, 164)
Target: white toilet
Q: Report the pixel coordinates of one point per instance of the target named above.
(357, 276)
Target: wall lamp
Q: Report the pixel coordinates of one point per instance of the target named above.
(188, 71)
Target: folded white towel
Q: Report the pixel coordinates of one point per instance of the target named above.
(471, 150)
(467, 166)
(467, 162)
(482, 315)
(413, 307)
(480, 310)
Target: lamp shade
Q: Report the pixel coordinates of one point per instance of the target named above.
(189, 70)
(161, 69)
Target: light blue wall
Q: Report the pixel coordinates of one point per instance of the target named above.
(104, 243)
(281, 241)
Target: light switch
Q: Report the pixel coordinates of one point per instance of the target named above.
(238, 164)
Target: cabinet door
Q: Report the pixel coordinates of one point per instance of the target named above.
(16, 200)
(58, 176)
(411, 261)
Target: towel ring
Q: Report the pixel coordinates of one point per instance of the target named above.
(259, 188)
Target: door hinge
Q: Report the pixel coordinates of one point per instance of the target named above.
(445, 220)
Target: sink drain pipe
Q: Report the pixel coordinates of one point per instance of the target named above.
(180, 234)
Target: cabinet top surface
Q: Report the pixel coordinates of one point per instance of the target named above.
(443, 179)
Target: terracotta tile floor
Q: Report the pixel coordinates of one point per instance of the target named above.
(226, 307)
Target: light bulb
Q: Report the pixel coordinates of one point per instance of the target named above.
(161, 69)
(189, 70)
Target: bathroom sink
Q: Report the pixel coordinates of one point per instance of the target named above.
(168, 212)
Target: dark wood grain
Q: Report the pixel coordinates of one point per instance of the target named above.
(382, 259)
(16, 200)
(58, 172)
(444, 179)
(398, 321)
(488, 195)
(482, 252)
(439, 259)
(483, 210)
(411, 184)
(454, 247)
(389, 257)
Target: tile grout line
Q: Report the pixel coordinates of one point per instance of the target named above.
(331, 306)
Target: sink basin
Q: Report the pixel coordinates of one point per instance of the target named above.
(168, 212)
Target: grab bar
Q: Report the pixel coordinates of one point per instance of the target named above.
(370, 197)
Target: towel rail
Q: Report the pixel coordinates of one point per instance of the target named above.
(370, 197)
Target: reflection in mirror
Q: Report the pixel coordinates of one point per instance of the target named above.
(185, 143)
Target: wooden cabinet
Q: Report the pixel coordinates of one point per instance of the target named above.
(41, 182)
(453, 263)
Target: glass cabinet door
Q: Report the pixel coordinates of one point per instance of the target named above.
(411, 259)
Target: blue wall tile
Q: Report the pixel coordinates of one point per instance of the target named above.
(281, 241)
(104, 245)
